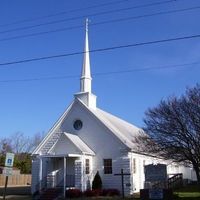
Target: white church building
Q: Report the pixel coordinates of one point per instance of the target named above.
(86, 139)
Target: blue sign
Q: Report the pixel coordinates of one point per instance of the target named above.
(9, 159)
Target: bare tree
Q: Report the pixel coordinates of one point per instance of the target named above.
(22, 146)
(35, 140)
(25, 144)
(5, 146)
(173, 129)
(20, 143)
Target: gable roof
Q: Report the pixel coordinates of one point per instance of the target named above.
(78, 145)
(123, 130)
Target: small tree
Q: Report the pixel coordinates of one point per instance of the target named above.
(97, 183)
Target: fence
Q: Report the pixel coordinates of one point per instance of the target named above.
(21, 179)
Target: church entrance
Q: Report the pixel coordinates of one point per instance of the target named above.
(70, 172)
(61, 172)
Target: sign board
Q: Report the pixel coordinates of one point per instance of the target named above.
(7, 171)
(155, 172)
(155, 193)
(9, 159)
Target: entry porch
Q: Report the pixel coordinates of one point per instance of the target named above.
(64, 165)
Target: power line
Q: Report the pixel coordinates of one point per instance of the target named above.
(85, 16)
(101, 49)
(64, 12)
(101, 23)
(41, 33)
(104, 73)
(146, 15)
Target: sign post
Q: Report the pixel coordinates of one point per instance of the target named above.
(122, 174)
(8, 170)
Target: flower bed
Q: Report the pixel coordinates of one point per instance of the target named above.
(75, 193)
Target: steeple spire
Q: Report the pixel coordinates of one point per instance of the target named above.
(86, 75)
(85, 95)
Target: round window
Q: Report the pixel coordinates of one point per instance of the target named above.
(78, 124)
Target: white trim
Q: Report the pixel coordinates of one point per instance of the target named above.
(74, 155)
(60, 156)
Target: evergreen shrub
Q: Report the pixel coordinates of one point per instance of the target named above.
(97, 182)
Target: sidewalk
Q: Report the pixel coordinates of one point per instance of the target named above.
(16, 190)
(17, 197)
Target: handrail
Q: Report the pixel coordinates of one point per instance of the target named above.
(175, 181)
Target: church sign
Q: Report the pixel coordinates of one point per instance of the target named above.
(156, 193)
(155, 173)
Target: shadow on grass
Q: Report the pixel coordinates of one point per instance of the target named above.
(191, 192)
(188, 198)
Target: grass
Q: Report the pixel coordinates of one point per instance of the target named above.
(190, 192)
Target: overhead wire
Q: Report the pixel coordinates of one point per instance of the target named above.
(64, 12)
(101, 23)
(101, 49)
(147, 15)
(86, 16)
(174, 66)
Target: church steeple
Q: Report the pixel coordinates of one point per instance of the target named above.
(85, 94)
(86, 75)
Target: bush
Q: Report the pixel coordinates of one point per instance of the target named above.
(110, 192)
(104, 192)
(91, 193)
(73, 193)
(97, 183)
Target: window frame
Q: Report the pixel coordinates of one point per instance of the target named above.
(108, 168)
(134, 166)
(87, 166)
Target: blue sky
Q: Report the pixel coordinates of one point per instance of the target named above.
(34, 106)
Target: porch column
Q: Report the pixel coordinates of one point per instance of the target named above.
(40, 174)
(64, 179)
(79, 174)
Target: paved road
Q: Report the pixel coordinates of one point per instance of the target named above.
(17, 190)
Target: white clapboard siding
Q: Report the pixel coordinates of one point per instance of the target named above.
(35, 175)
(112, 181)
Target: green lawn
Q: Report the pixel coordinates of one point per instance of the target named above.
(190, 192)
